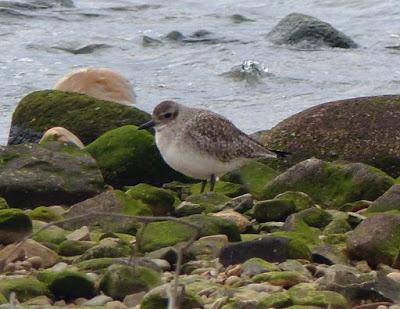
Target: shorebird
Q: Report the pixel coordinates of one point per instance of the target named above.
(202, 144)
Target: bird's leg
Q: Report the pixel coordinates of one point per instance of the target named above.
(212, 182)
(203, 185)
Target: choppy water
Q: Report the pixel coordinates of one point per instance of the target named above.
(34, 36)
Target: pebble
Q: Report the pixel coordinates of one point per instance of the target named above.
(134, 299)
(234, 270)
(264, 287)
(116, 305)
(39, 301)
(80, 234)
(394, 276)
(219, 237)
(27, 265)
(61, 266)
(163, 264)
(98, 300)
(93, 276)
(80, 301)
(36, 261)
(229, 214)
(10, 267)
(232, 280)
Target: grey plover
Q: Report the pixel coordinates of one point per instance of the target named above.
(202, 144)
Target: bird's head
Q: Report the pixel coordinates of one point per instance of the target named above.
(163, 114)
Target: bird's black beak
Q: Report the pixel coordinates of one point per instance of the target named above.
(148, 124)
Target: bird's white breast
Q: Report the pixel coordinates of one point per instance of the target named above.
(183, 157)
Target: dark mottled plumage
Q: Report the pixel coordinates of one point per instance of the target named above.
(217, 136)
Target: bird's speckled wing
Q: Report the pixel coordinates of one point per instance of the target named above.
(217, 136)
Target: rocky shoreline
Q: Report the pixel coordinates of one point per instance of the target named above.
(307, 233)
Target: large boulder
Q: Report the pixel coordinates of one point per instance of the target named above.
(83, 115)
(32, 175)
(306, 31)
(128, 156)
(356, 130)
(376, 240)
(331, 184)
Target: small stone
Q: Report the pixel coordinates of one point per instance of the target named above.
(60, 303)
(264, 287)
(394, 276)
(187, 208)
(61, 266)
(116, 305)
(219, 237)
(80, 301)
(57, 209)
(27, 265)
(36, 261)
(235, 270)
(79, 234)
(41, 300)
(232, 280)
(98, 300)
(133, 300)
(241, 221)
(241, 203)
(163, 264)
(10, 267)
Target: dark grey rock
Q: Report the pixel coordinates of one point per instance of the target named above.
(390, 200)
(32, 175)
(305, 31)
(376, 240)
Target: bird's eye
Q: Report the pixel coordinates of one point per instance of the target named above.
(167, 115)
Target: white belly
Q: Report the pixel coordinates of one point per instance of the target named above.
(189, 162)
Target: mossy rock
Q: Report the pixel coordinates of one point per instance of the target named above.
(275, 300)
(24, 288)
(325, 299)
(211, 201)
(43, 213)
(315, 217)
(97, 264)
(273, 210)
(331, 184)
(3, 299)
(3, 203)
(300, 199)
(111, 201)
(158, 298)
(74, 247)
(161, 201)
(227, 188)
(122, 280)
(389, 201)
(168, 233)
(337, 226)
(83, 115)
(206, 249)
(296, 228)
(107, 248)
(376, 240)
(67, 284)
(14, 225)
(51, 235)
(32, 175)
(254, 176)
(281, 278)
(256, 266)
(370, 136)
(128, 156)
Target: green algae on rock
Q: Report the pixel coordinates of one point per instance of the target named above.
(51, 235)
(254, 176)
(14, 225)
(83, 115)
(24, 288)
(74, 247)
(326, 299)
(160, 201)
(275, 300)
(43, 213)
(121, 280)
(211, 201)
(111, 201)
(358, 130)
(227, 188)
(67, 284)
(128, 156)
(255, 266)
(34, 175)
(273, 210)
(107, 248)
(162, 234)
(157, 298)
(331, 184)
(377, 240)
